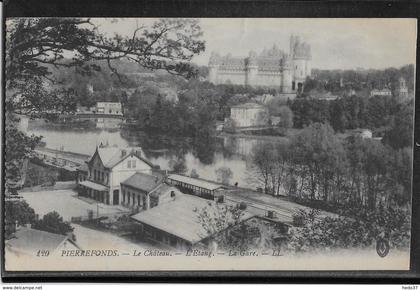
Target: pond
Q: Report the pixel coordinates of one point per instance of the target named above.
(203, 157)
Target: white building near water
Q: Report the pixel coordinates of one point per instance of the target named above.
(249, 115)
(109, 108)
(383, 92)
(363, 133)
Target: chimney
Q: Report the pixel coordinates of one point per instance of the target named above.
(123, 152)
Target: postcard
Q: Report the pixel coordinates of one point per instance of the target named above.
(208, 144)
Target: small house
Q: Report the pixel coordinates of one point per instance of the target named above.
(109, 108)
(382, 92)
(249, 115)
(28, 241)
(143, 191)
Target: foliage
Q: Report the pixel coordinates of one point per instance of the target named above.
(36, 47)
(194, 174)
(17, 211)
(230, 126)
(225, 225)
(303, 217)
(321, 170)
(400, 134)
(216, 218)
(33, 43)
(270, 166)
(179, 166)
(52, 222)
(306, 111)
(329, 80)
(224, 174)
(286, 118)
(352, 112)
(361, 230)
(18, 147)
(318, 159)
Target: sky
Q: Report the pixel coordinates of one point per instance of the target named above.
(336, 43)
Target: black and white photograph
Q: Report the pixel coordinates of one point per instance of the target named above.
(214, 144)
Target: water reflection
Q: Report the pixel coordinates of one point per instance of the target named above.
(203, 157)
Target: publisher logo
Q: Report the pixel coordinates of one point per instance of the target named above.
(382, 247)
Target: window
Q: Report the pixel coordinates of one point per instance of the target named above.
(129, 164)
(133, 163)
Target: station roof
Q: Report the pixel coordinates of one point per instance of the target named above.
(180, 217)
(194, 181)
(142, 181)
(111, 156)
(93, 185)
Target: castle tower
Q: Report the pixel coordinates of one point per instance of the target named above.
(251, 69)
(402, 88)
(301, 62)
(308, 55)
(292, 45)
(213, 67)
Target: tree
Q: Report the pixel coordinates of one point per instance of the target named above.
(52, 222)
(194, 174)
(338, 117)
(18, 147)
(286, 118)
(318, 155)
(400, 133)
(370, 168)
(224, 174)
(179, 166)
(227, 228)
(34, 46)
(361, 230)
(306, 111)
(230, 126)
(216, 218)
(17, 211)
(263, 160)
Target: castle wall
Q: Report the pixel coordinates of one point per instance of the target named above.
(287, 79)
(235, 77)
(308, 68)
(269, 79)
(272, 68)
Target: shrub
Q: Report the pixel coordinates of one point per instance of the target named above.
(242, 206)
